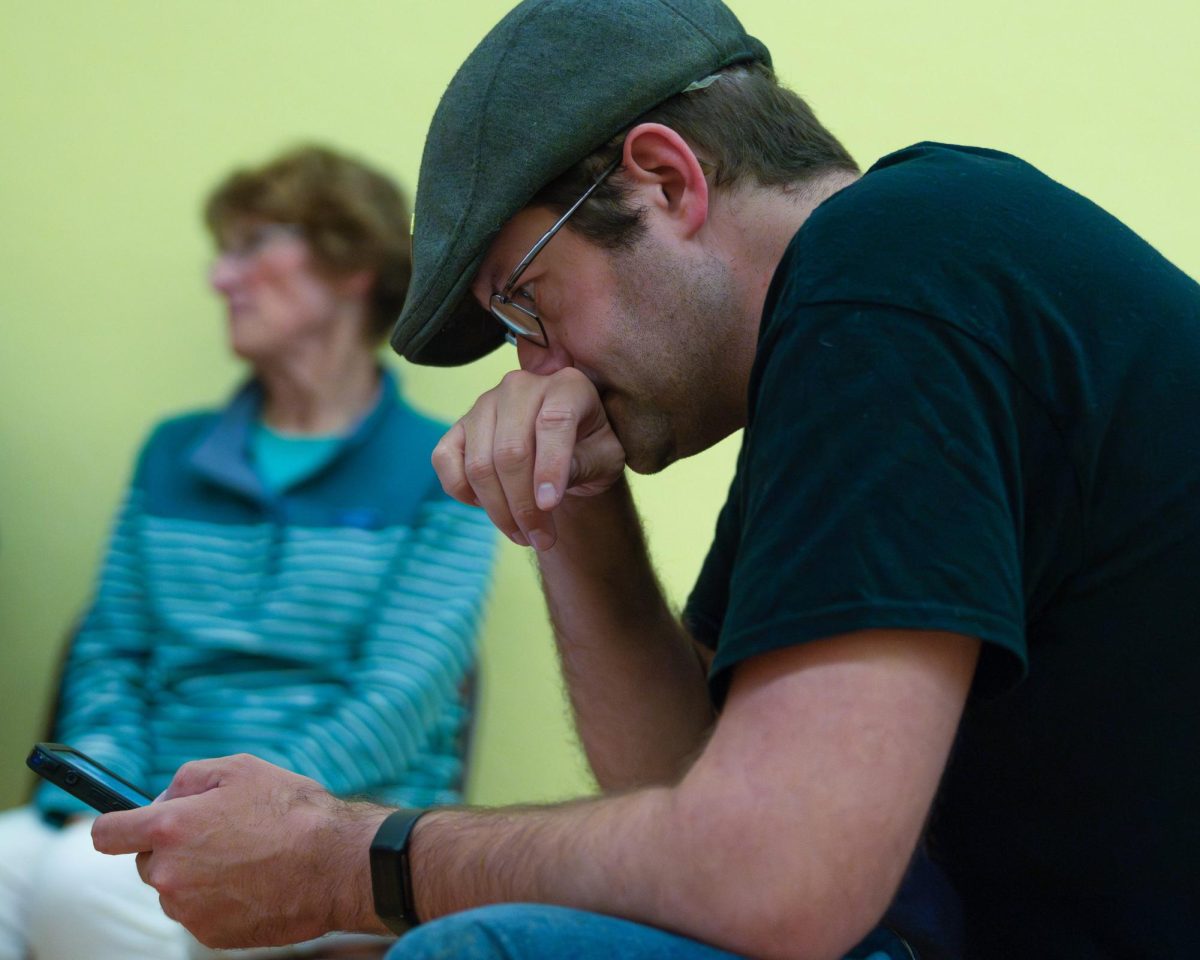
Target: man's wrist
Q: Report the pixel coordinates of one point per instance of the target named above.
(349, 834)
(580, 519)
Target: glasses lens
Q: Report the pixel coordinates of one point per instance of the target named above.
(516, 318)
(249, 243)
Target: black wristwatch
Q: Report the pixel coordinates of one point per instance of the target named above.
(391, 874)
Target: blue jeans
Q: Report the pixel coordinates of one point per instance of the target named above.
(518, 931)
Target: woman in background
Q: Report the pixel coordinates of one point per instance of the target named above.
(286, 577)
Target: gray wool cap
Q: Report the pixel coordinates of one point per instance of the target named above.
(552, 82)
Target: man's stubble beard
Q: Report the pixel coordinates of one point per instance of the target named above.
(672, 317)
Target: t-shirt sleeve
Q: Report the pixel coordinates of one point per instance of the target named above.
(878, 487)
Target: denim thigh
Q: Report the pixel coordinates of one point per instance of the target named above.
(539, 932)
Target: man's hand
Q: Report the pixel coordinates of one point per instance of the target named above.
(524, 445)
(244, 854)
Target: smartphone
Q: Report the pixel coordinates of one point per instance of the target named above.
(83, 777)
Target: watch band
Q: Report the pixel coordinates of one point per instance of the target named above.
(391, 873)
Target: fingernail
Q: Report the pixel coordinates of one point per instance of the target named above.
(547, 496)
(518, 538)
(541, 540)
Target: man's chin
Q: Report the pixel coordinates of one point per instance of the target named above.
(651, 452)
(646, 438)
(648, 467)
(646, 455)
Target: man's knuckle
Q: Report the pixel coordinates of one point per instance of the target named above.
(557, 417)
(166, 882)
(163, 832)
(512, 452)
(445, 461)
(526, 515)
(458, 489)
(479, 469)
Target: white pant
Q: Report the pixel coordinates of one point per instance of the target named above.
(61, 900)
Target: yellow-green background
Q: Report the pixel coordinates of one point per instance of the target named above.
(117, 115)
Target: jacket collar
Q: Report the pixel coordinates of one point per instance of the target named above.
(223, 453)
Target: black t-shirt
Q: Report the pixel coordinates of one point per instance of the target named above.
(976, 407)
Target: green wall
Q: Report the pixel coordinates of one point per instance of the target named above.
(116, 117)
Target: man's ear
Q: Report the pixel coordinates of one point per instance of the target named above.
(666, 174)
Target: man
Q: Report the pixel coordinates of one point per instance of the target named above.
(949, 606)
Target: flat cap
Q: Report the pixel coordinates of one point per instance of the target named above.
(551, 83)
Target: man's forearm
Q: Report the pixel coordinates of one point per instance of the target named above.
(654, 856)
(636, 684)
(788, 836)
(620, 855)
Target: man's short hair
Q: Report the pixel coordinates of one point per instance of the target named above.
(745, 127)
(352, 216)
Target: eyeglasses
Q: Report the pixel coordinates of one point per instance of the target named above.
(243, 246)
(518, 319)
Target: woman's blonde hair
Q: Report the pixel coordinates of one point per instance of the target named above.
(352, 216)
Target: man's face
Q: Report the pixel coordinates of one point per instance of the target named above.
(645, 325)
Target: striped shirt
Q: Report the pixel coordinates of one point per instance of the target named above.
(328, 627)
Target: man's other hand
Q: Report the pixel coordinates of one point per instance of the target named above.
(243, 853)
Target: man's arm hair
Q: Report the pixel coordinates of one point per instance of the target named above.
(636, 682)
(788, 836)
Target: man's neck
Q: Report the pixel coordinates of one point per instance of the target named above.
(764, 220)
(756, 224)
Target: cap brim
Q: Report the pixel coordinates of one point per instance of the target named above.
(460, 334)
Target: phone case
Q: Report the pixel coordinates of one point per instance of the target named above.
(53, 762)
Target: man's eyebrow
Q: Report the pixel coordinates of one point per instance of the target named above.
(488, 280)
(496, 274)
(484, 279)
